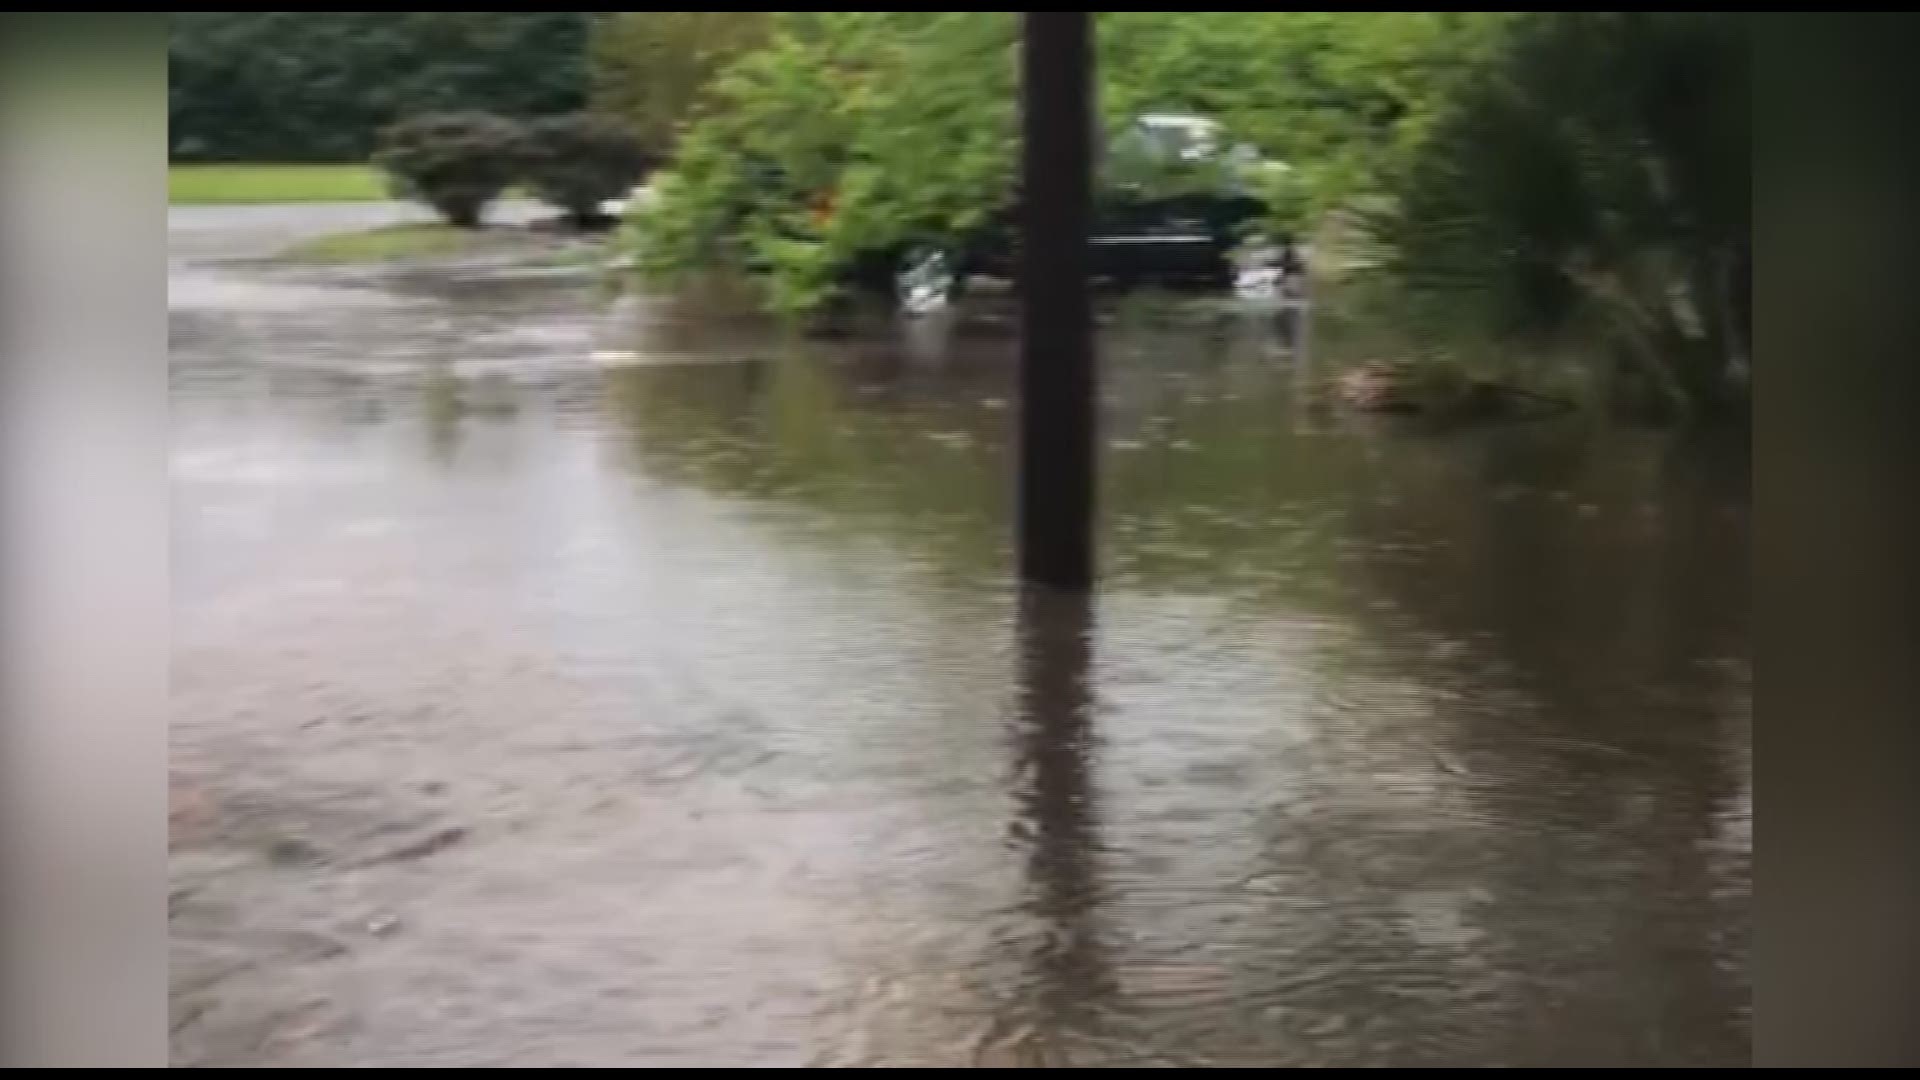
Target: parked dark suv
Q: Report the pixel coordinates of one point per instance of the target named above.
(1172, 208)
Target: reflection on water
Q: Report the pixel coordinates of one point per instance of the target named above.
(1379, 745)
(1058, 815)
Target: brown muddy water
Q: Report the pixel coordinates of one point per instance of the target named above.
(534, 711)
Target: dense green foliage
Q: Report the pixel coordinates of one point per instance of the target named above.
(456, 163)
(1338, 95)
(1595, 180)
(652, 68)
(1531, 176)
(577, 162)
(904, 123)
(847, 131)
(300, 86)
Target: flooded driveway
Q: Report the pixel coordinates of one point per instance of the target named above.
(532, 711)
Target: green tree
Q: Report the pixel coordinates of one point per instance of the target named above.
(320, 85)
(847, 133)
(1593, 179)
(1336, 95)
(652, 68)
(853, 132)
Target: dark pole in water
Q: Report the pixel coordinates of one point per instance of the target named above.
(1056, 348)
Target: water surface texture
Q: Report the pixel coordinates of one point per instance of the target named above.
(533, 711)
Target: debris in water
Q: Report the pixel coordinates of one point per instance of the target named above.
(1270, 884)
(294, 851)
(429, 844)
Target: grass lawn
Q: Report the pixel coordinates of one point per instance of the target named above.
(425, 240)
(203, 185)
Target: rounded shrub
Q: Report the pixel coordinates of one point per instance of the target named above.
(455, 162)
(579, 161)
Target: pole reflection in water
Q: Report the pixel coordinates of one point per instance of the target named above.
(1058, 819)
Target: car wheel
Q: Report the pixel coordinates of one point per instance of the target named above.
(1257, 283)
(1256, 270)
(925, 281)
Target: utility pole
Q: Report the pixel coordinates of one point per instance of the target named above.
(1057, 381)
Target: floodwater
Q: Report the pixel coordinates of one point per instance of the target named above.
(533, 711)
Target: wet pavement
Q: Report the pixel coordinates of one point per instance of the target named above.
(534, 711)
